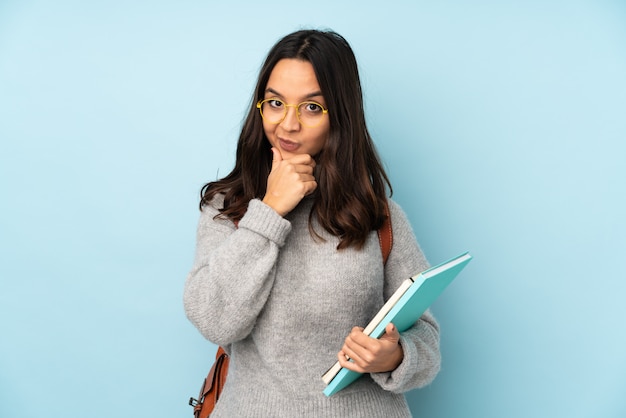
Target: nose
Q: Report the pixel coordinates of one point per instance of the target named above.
(291, 122)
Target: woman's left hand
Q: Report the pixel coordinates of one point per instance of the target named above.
(371, 355)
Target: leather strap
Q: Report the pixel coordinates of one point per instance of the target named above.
(212, 387)
(385, 235)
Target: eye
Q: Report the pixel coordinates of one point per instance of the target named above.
(275, 103)
(312, 107)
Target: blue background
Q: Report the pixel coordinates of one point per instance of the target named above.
(502, 125)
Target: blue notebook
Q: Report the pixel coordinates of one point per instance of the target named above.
(403, 308)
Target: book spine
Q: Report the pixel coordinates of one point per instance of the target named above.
(380, 328)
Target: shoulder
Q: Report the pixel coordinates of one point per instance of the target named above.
(406, 248)
(210, 212)
(216, 203)
(397, 214)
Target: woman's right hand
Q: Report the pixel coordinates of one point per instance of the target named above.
(289, 181)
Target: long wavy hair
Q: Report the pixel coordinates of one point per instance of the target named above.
(352, 183)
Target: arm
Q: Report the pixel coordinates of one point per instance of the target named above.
(233, 272)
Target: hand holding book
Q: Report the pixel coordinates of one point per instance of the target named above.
(364, 354)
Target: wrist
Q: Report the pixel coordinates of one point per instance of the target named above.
(272, 204)
(396, 357)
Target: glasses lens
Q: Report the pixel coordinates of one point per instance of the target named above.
(273, 110)
(310, 113)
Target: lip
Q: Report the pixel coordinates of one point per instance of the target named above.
(288, 145)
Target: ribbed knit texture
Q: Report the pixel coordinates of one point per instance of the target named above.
(282, 302)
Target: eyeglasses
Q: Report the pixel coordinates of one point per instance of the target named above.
(309, 114)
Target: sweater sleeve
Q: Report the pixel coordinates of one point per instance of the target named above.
(420, 343)
(233, 271)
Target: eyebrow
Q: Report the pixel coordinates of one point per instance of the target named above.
(308, 96)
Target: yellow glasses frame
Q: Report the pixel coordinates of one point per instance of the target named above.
(259, 105)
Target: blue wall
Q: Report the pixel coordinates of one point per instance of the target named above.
(502, 125)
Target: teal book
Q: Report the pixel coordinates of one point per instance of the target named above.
(402, 309)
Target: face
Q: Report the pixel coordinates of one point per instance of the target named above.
(293, 81)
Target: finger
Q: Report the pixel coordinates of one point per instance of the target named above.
(358, 346)
(358, 338)
(310, 187)
(391, 333)
(353, 360)
(348, 354)
(304, 168)
(349, 363)
(306, 177)
(342, 356)
(304, 159)
(276, 157)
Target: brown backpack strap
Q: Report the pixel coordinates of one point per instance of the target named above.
(385, 235)
(212, 386)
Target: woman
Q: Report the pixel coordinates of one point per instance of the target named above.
(288, 264)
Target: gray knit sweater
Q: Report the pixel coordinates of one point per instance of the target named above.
(282, 302)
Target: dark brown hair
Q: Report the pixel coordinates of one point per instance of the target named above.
(351, 193)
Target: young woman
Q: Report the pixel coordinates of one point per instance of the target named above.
(288, 265)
